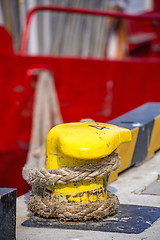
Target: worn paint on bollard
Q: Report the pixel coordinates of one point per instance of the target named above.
(82, 191)
(77, 144)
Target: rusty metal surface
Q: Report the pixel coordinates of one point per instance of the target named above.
(131, 219)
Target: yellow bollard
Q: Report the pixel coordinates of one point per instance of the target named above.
(76, 144)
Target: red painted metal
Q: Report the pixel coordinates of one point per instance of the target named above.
(156, 5)
(6, 46)
(103, 90)
(86, 88)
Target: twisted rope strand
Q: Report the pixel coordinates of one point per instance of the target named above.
(48, 208)
(45, 206)
(64, 175)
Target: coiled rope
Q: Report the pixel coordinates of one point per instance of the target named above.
(64, 175)
(43, 204)
(46, 207)
(46, 114)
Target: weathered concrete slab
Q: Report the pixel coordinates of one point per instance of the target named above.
(128, 188)
(153, 189)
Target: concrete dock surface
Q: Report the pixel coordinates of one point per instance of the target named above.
(133, 187)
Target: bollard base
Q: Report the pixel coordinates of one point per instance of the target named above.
(131, 219)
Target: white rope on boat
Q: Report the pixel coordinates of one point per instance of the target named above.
(46, 114)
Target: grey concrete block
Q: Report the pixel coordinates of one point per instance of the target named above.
(7, 214)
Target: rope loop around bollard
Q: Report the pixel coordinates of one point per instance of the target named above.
(44, 205)
(64, 175)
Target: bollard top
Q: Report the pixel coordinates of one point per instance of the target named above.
(85, 140)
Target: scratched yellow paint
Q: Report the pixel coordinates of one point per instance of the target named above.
(79, 191)
(76, 144)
